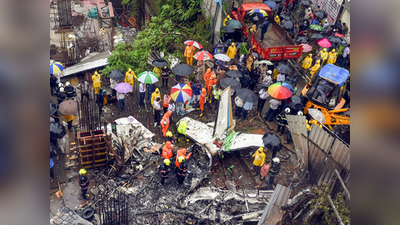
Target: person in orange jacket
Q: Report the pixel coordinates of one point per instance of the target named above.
(207, 77)
(165, 123)
(179, 153)
(211, 83)
(202, 100)
(166, 101)
(167, 150)
(189, 50)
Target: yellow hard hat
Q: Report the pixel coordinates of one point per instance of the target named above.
(82, 172)
(169, 134)
(167, 162)
(181, 159)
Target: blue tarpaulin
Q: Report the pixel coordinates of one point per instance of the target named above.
(334, 74)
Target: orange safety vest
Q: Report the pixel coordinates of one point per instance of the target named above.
(166, 101)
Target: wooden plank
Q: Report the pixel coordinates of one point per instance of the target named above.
(96, 161)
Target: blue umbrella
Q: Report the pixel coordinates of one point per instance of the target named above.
(271, 4)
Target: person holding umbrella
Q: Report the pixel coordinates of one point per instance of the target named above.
(69, 119)
(165, 75)
(189, 50)
(96, 82)
(226, 19)
(273, 109)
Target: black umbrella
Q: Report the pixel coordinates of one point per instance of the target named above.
(272, 142)
(316, 36)
(223, 45)
(57, 130)
(284, 16)
(228, 29)
(282, 68)
(306, 2)
(261, 86)
(235, 85)
(247, 95)
(182, 70)
(234, 73)
(116, 75)
(159, 63)
(321, 14)
(302, 39)
(296, 103)
(287, 24)
(53, 108)
(343, 43)
(335, 39)
(255, 54)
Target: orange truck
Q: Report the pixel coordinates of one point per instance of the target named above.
(277, 44)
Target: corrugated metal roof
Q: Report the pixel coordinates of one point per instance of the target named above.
(341, 154)
(92, 61)
(273, 212)
(321, 138)
(297, 124)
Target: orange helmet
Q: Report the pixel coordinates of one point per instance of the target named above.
(208, 70)
(213, 76)
(203, 90)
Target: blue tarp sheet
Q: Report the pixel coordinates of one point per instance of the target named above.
(334, 74)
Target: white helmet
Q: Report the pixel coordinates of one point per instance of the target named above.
(60, 85)
(67, 83)
(269, 72)
(299, 113)
(287, 110)
(276, 160)
(61, 89)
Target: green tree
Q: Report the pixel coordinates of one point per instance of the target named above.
(178, 21)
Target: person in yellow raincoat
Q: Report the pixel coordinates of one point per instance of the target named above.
(129, 77)
(331, 57)
(253, 28)
(69, 119)
(277, 20)
(275, 74)
(231, 51)
(309, 123)
(154, 96)
(96, 82)
(226, 20)
(314, 69)
(158, 71)
(189, 50)
(307, 62)
(259, 159)
(324, 55)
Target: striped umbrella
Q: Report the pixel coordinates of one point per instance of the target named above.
(181, 93)
(147, 77)
(203, 55)
(260, 11)
(194, 43)
(278, 91)
(306, 48)
(55, 67)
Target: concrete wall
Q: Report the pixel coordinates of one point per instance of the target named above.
(208, 7)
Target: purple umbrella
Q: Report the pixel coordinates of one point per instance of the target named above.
(123, 87)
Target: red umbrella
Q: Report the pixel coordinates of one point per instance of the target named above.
(324, 43)
(339, 35)
(203, 55)
(194, 43)
(306, 47)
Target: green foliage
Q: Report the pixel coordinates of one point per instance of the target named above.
(224, 6)
(178, 21)
(243, 49)
(322, 203)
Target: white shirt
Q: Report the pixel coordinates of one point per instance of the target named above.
(120, 96)
(264, 94)
(113, 83)
(273, 103)
(267, 80)
(142, 87)
(171, 107)
(156, 105)
(280, 77)
(346, 51)
(239, 102)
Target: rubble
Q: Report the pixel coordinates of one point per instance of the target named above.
(68, 217)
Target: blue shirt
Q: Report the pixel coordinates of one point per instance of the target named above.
(315, 21)
(248, 106)
(196, 90)
(219, 50)
(220, 63)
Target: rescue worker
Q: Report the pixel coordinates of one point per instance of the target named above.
(182, 171)
(331, 57)
(157, 109)
(100, 100)
(165, 122)
(307, 62)
(232, 50)
(189, 50)
(167, 150)
(53, 84)
(207, 77)
(277, 20)
(181, 153)
(60, 85)
(166, 101)
(211, 83)
(202, 100)
(69, 119)
(165, 72)
(226, 20)
(273, 171)
(170, 137)
(61, 96)
(154, 96)
(164, 170)
(96, 82)
(216, 93)
(259, 159)
(70, 91)
(282, 121)
(314, 69)
(182, 130)
(84, 183)
(129, 77)
(322, 90)
(323, 54)
(158, 71)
